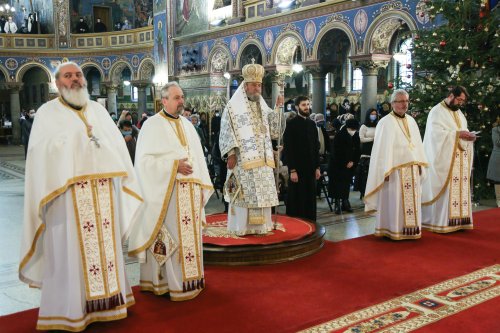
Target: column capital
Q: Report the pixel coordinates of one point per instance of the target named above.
(317, 72)
(141, 83)
(371, 63)
(14, 86)
(110, 86)
(278, 73)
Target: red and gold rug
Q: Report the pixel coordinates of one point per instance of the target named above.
(420, 308)
(438, 284)
(287, 229)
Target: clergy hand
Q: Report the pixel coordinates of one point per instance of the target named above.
(467, 136)
(231, 161)
(280, 101)
(184, 167)
(294, 177)
(318, 174)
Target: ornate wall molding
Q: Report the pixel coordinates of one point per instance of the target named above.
(62, 27)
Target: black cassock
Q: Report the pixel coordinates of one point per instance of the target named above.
(301, 153)
(346, 148)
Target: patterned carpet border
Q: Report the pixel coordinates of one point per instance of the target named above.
(420, 308)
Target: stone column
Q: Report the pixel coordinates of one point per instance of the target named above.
(111, 89)
(142, 99)
(15, 111)
(369, 66)
(278, 81)
(318, 75)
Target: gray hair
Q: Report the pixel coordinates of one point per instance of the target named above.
(398, 92)
(165, 90)
(57, 73)
(195, 116)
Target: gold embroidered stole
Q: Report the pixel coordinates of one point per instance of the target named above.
(459, 193)
(409, 176)
(189, 221)
(94, 212)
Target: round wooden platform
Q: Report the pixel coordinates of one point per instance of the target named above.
(264, 254)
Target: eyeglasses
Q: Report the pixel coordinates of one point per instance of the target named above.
(404, 101)
(460, 99)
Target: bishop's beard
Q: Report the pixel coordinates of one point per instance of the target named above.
(254, 97)
(76, 97)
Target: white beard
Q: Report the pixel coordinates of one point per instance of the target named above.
(254, 97)
(77, 97)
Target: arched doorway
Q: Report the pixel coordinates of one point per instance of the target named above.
(35, 90)
(333, 51)
(94, 79)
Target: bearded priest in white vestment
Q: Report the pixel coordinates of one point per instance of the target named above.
(247, 127)
(81, 200)
(396, 169)
(449, 147)
(176, 184)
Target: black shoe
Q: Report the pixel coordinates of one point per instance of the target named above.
(337, 206)
(346, 206)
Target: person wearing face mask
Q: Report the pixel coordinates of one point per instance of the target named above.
(397, 166)
(449, 145)
(301, 151)
(126, 129)
(26, 129)
(343, 162)
(82, 27)
(366, 136)
(126, 25)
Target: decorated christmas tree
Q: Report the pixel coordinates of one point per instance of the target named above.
(461, 48)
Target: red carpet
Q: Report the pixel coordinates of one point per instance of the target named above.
(288, 229)
(344, 277)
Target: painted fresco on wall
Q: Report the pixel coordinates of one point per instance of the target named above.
(159, 5)
(160, 45)
(191, 16)
(308, 29)
(143, 13)
(138, 12)
(44, 13)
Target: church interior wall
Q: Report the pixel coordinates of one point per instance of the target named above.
(137, 12)
(43, 9)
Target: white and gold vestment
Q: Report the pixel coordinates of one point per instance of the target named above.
(446, 194)
(168, 241)
(247, 128)
(393, 186)
(81, 201)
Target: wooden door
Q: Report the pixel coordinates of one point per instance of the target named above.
(104, 13)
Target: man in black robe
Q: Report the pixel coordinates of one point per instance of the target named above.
(82, 27)
(343, 163)
(99, 26)
(301, 153)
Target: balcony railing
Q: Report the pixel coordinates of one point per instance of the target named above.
(106, 40)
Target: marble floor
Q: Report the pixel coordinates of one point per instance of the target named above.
(16, 296)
